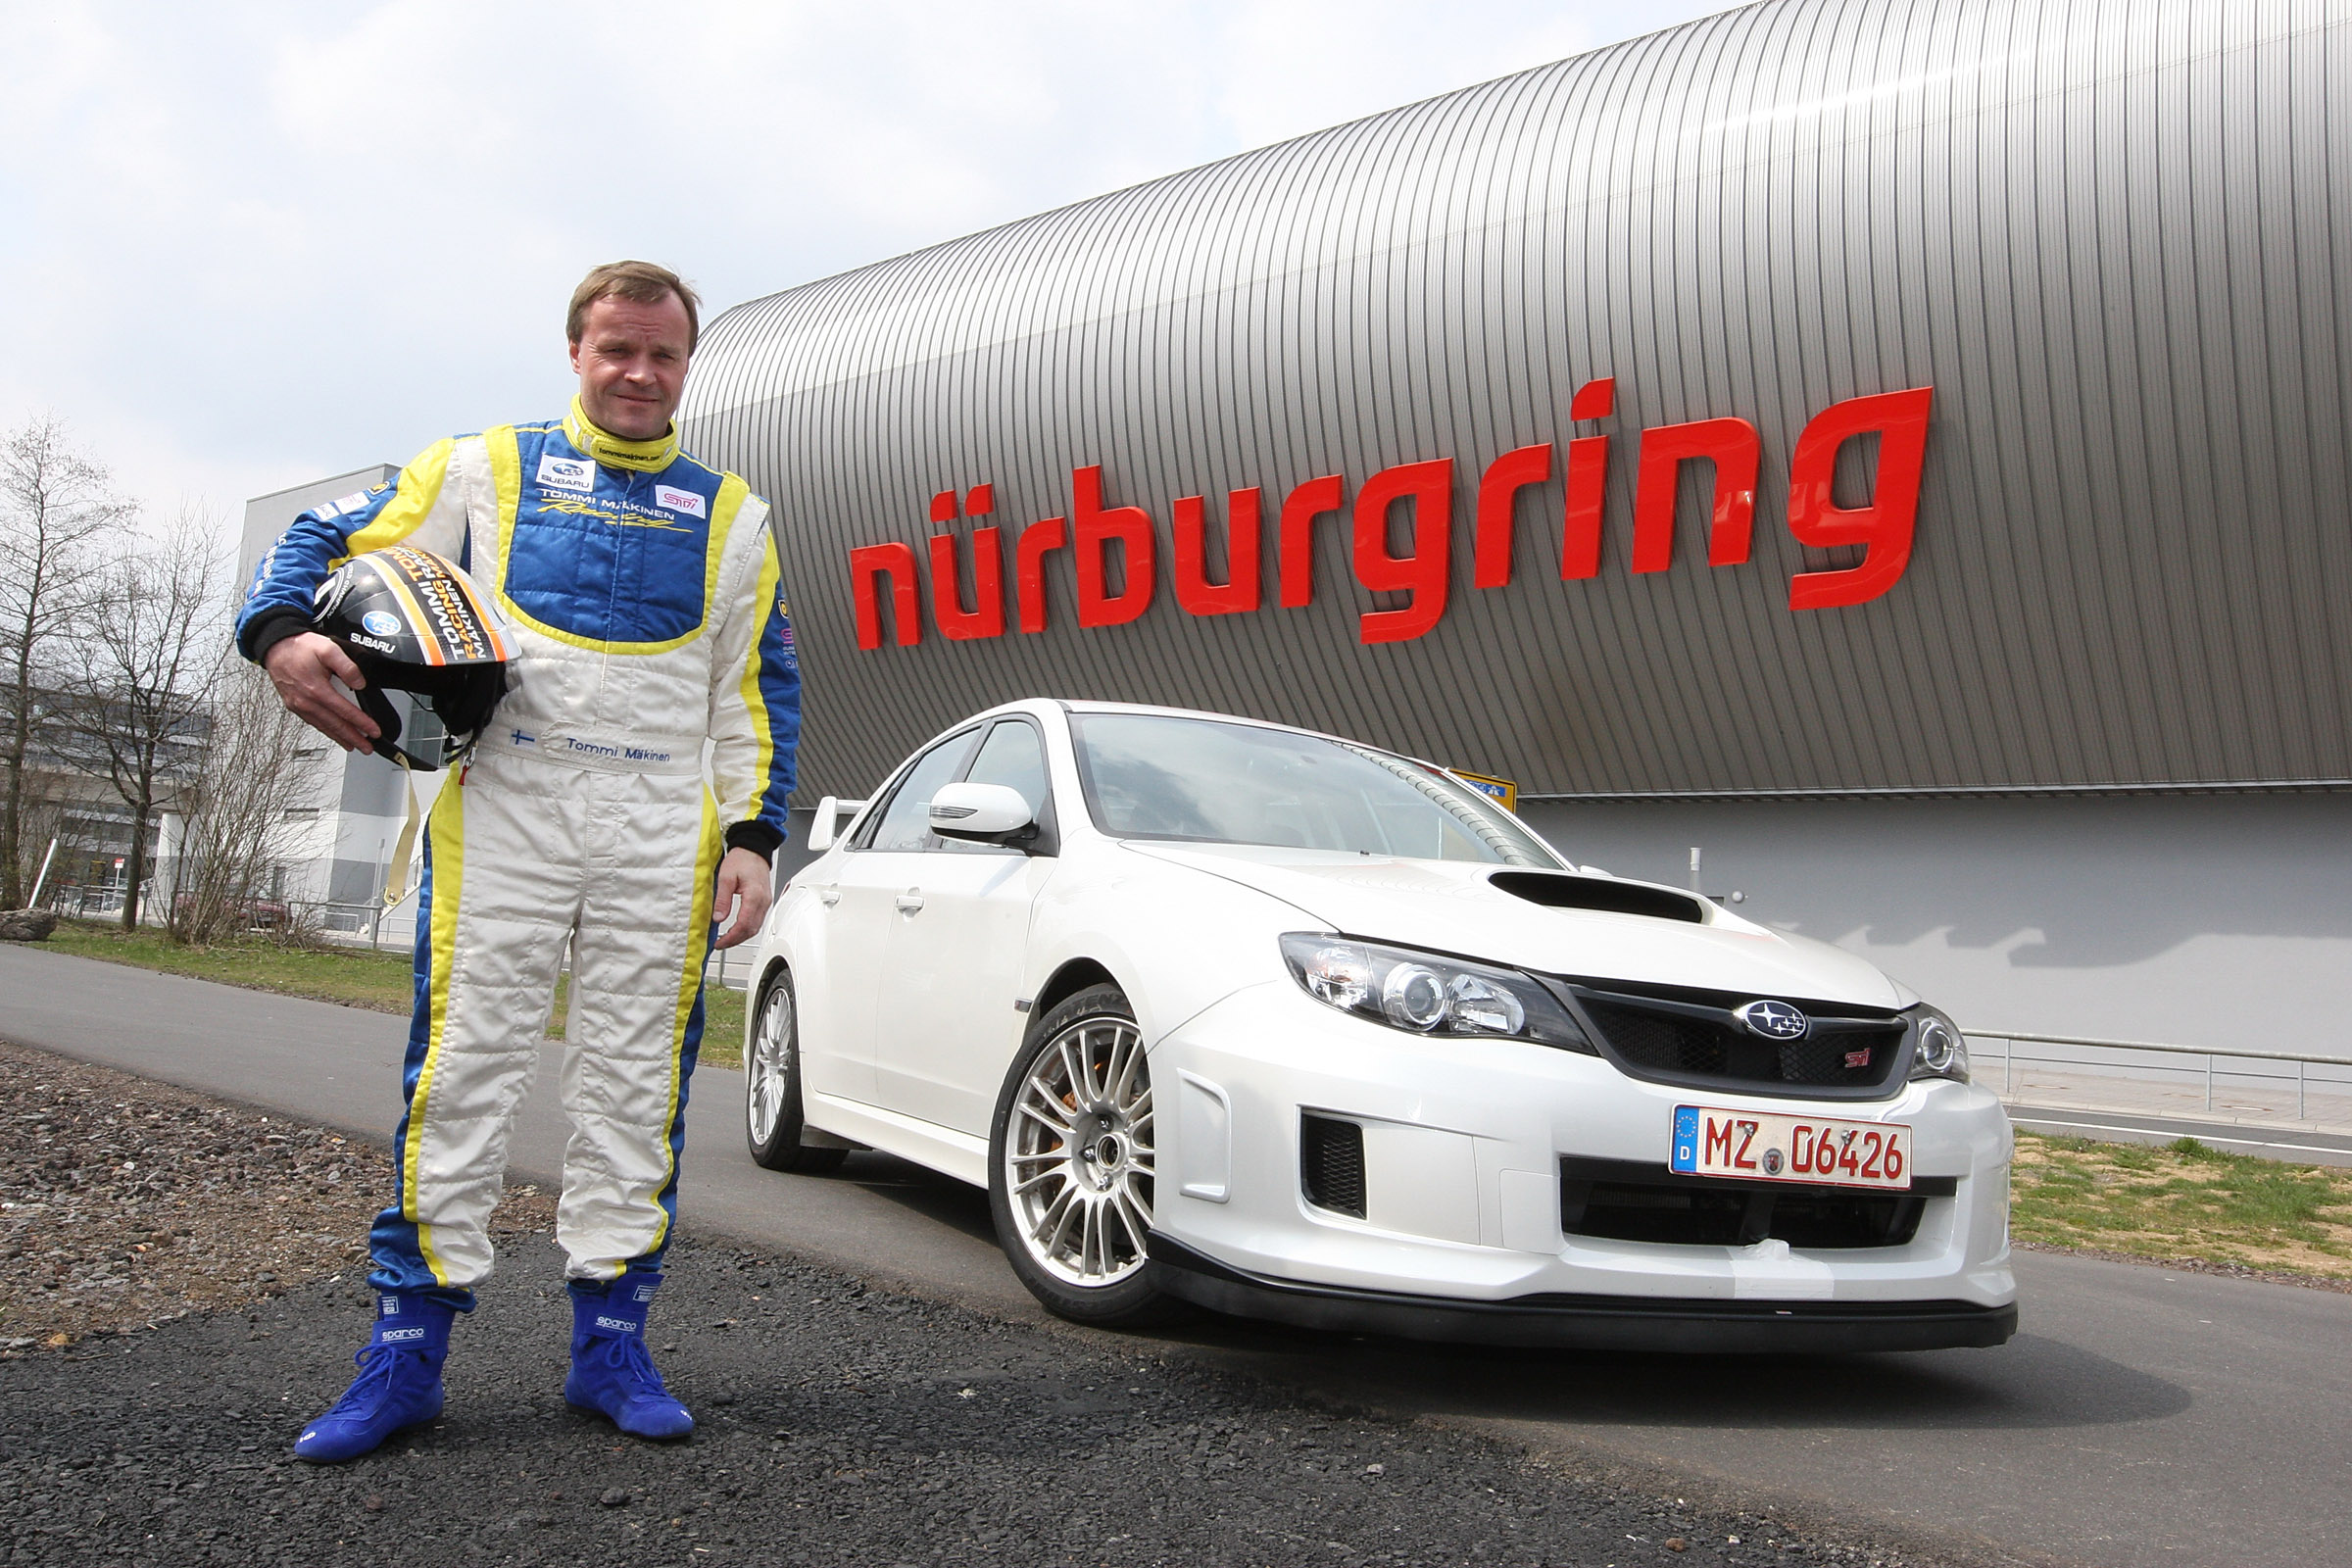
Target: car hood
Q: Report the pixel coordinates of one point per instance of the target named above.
(1454, 906)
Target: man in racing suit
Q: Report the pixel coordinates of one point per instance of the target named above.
(642, 590)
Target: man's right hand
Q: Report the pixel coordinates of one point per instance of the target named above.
(304, 668)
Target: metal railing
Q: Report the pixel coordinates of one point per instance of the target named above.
(2303, 1060)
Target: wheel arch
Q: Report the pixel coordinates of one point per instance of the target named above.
(776, 964)
(1073, 976)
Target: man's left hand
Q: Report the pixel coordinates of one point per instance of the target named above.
(743, 886)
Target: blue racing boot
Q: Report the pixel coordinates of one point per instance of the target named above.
(399, 1384)
(611, 1372)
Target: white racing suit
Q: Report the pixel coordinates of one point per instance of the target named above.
(642, 590)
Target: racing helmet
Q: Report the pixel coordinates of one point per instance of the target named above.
(413, 621)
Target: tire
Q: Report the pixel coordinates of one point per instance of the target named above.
(773, 1125)
(1070, 1173)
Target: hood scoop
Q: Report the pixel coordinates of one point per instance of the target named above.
(1556, 891)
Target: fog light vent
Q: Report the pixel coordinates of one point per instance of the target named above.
(1331, 1163)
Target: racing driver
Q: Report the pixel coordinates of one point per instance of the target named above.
(641, 588)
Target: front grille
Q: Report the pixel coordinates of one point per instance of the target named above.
(1331, 1163)
(1628, 1201)
(1689, 1037)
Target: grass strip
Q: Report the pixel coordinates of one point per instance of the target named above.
(2182, 1200)
(355, 977)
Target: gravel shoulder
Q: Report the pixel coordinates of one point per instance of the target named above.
(841, 1423)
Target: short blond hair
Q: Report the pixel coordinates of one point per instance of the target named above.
(641, 282)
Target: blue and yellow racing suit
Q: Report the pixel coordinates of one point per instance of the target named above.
(642, 590)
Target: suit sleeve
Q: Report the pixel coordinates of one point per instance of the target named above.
(420, 508)
(755, 698)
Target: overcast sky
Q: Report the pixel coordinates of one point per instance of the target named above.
(247, 245)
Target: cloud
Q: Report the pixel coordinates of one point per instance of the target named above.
(265, 242)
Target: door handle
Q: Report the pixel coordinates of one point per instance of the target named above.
(911, 901)
(830, 896)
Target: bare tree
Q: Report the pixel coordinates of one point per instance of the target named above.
(150, 652)
(42, 826)
(54, 505)
(234, 812)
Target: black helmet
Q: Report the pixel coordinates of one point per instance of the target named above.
(413, 622)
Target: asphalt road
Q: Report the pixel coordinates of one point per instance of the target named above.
(2140, 1417)
(835, 1425)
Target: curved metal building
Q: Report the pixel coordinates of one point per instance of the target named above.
(2107, 247)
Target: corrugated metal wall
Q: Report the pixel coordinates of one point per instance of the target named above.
(2115, 236)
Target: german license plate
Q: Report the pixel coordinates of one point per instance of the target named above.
(1758, 1147)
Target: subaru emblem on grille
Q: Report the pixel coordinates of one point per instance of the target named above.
(1773, 1020)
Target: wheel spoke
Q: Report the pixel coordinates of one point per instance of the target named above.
(1130, 1221)
(1072, 1073)
(1055, 1222)
(1124, 1055)
(1092, 1087)
(1090, 1242)
(1040, 1115)
(1098, 1054)
(1051, 1174)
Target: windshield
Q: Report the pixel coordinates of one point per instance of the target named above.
(1152, 776)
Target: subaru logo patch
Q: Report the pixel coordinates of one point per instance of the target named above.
(566, 474)
(383, 622)
(1773, 1020)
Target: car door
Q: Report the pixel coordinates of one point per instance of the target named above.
(945, 1025)
(859, 906)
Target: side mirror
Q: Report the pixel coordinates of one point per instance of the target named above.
(981, 813)
(829, 813)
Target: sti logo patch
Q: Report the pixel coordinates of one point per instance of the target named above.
(683, 502)
(566, 474)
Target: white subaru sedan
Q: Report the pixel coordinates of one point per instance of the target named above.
(1228, 1013)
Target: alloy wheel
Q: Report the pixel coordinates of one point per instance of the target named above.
(1078, 1157)
(770, 1067)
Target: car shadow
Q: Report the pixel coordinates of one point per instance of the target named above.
(2034, 1382)
(922, 1191)
(2031, 1382)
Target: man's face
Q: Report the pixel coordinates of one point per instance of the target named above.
(632, 365)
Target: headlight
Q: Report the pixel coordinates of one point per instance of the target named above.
(1424, 994)
(1938, 1048)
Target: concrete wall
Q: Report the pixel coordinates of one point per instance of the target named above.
(2201, 921)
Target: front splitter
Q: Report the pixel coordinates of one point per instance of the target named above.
(1584, 1322)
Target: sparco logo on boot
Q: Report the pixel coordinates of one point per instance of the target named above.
(618, 1325)
(390, 1335)
(1773, 1020)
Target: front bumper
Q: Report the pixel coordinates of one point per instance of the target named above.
(1585, 1322)
(1462, 1235)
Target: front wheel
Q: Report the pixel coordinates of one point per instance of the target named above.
(771, 1088)
(1070, 1164)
